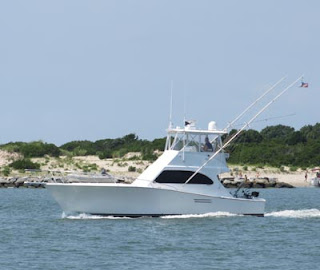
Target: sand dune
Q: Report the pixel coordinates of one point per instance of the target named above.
(120, 167)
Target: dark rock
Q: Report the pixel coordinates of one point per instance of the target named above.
(19, 182)
(270, 185)
(229, 184)
(12, 180)
(283, 185)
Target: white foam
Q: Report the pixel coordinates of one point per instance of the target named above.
(88, 216)
(215, 214)
(304, 213)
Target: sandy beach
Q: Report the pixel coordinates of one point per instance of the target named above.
(296, 179)
(120, 167)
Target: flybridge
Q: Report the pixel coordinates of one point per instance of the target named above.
(195, 131)
(190, 139)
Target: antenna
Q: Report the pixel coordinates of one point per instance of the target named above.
(170, 116)
(246, 125)
(184, 105)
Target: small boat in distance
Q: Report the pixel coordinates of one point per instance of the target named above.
(170, 186)
(315, 180)
(103, 177)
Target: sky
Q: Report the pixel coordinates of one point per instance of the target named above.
(95, 69)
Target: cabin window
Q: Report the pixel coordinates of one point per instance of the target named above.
(180, 177)
(193, 142)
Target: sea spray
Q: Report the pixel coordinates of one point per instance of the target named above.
(303, 213)
(206, 215)
(88, 216)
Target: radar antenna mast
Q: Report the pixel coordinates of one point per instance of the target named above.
(171, 101)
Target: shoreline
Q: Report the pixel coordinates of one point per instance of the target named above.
(131, 166)
(295, 179)
(228, 181)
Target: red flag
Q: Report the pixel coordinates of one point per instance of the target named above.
(304, 85)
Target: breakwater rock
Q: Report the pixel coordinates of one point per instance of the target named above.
(40, 182)
(18, 182)
(254, 183)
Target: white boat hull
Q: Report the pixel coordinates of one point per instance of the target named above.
(315, 182)
(127, 200)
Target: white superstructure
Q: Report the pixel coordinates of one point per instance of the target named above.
(176, 183)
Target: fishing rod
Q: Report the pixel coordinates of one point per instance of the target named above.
(254, 103)
(240, 130)
(270, 118)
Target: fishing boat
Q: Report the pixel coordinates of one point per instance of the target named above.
(183, 180)
(170, 186)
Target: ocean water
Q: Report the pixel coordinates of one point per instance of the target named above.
(35, 234)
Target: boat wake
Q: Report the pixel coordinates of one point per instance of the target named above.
(88, 216)
(216, 215)
(304, 213)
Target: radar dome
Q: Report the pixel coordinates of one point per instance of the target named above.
(212, 125)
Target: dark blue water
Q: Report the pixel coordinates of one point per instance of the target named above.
(35, 235)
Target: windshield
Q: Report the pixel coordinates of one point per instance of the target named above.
(194, 142)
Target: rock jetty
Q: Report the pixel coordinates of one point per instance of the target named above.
(39, 182)
(254, 183)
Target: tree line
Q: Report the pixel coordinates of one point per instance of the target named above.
(274, 145)
(277, 146)
(107, 148)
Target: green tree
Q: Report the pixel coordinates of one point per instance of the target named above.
(295, 138)
(249, 136)
(278, 132)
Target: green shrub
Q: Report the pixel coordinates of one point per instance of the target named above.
(104, 154)
(33, 149)
(86, 168)
(120, 164)
(131, 169)
(6, 171)
(135, 157)
(78, 166)
(23, 164)
(293, 169)
(94, 166)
